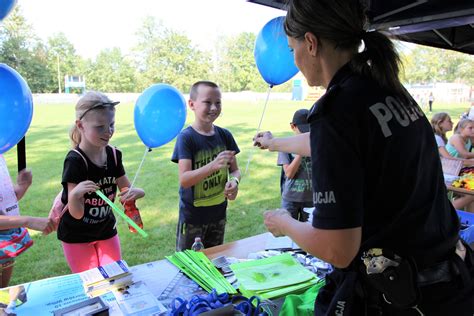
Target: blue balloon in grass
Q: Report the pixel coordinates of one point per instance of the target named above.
(16, 107)
(5, 7)
(160, 113)
(272, 54)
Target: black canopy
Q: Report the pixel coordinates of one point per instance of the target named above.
(445, 24)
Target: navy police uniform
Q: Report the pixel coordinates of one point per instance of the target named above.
(376, 166)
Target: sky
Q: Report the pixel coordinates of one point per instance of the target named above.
(93, 25)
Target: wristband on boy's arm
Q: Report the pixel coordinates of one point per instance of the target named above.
(232, 178)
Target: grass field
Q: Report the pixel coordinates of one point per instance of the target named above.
(48, 142)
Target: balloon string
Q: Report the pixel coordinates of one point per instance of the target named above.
(138, 171)
(258, 130)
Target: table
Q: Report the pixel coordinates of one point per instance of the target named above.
(459, 190)
(47, 295)
(158, 275)
(239, 248)
(66, 290)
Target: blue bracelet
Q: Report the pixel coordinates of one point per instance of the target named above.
(200, 304)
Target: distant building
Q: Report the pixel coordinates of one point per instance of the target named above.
(442, 91)
(74, 82)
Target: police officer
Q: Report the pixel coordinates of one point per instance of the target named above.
(382, 216)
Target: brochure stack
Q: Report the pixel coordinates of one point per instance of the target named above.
(106, 278)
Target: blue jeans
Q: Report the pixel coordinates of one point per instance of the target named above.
(296, 209)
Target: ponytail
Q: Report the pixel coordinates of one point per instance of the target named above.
(75, 136)
(381, 62)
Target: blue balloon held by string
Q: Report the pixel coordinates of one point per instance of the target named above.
(16, 107)
(272, 54)
(5, 7)
(160, 113)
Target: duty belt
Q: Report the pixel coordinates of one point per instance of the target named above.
(444, 271)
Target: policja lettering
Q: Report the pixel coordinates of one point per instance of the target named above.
(324, 197)
(385, 112)
(340, 307)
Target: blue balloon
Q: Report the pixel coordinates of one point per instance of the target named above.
(160, 113)
(16, 107)
(5, 7)
(272, 54)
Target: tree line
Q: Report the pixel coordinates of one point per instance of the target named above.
(161, 55)
(169, 56)
(426, 64)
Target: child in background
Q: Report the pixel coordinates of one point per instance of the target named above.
(459, 145)
(441, 124)
(87, 229)
(12, 224)
(208, 171)
(297, 191)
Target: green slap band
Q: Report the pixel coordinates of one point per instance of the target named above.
(122, 214)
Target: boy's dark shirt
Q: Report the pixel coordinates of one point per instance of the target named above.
(205, 201)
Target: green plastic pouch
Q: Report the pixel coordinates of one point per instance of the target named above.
(302, 304)
(271, 273)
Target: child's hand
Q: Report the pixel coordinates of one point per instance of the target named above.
(24, 179)
(55, 221)
(262, 140)
(43, 224)
(223, 160)
(231, 189)
(135, 194)
(84, 187)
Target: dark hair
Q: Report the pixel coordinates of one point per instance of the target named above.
(194, 88)
(343, 23)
